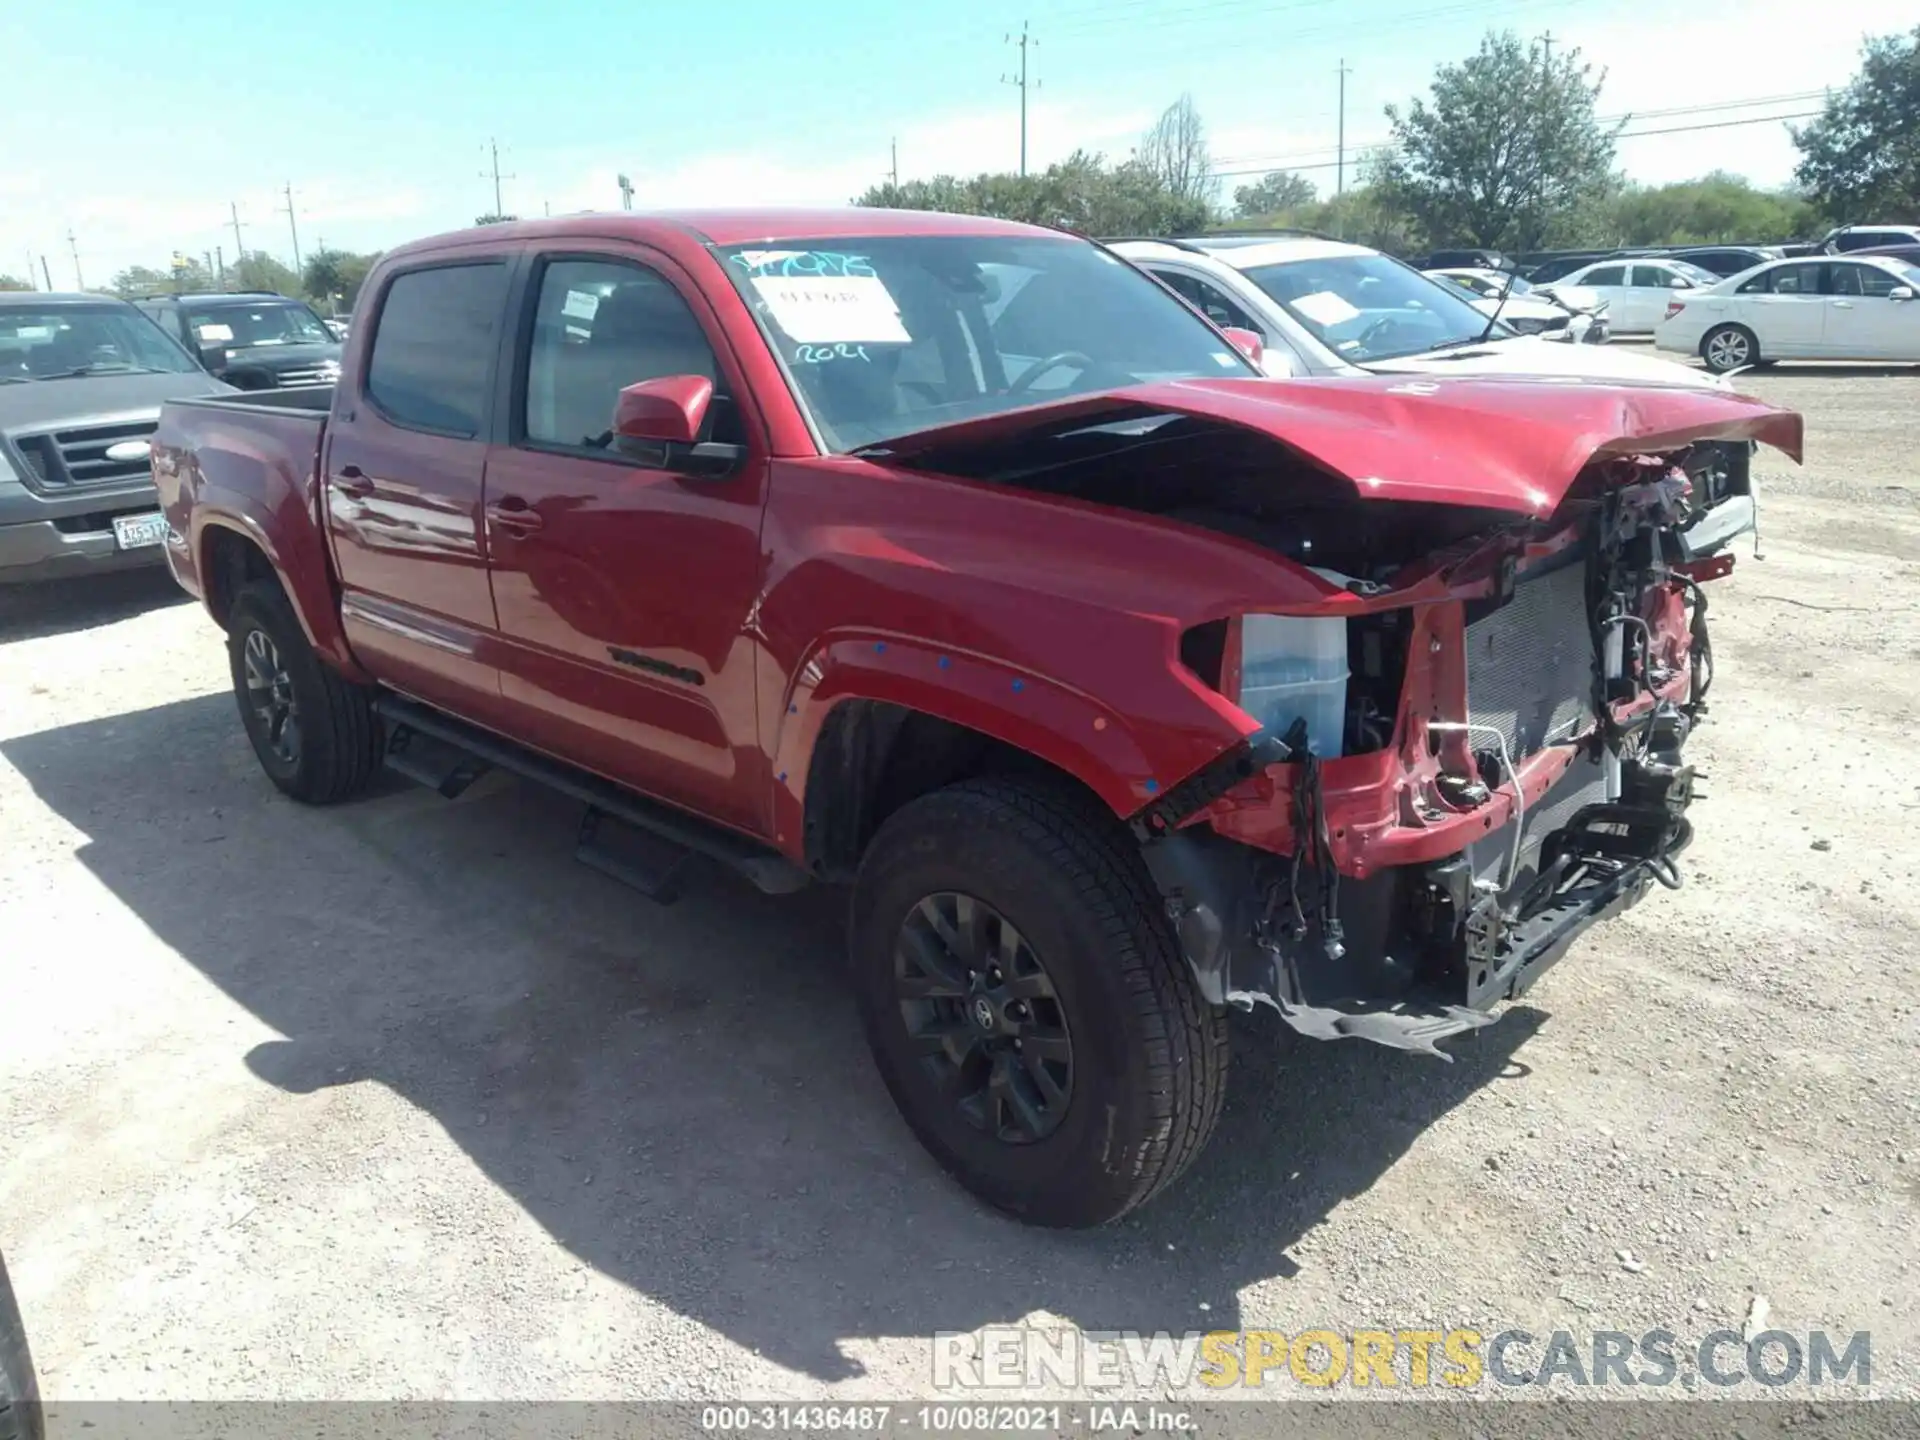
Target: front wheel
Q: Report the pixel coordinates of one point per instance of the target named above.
(313, 730)
(1729, 347)
(1027, 1005)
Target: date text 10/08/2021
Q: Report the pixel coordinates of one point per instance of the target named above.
(853, 1420)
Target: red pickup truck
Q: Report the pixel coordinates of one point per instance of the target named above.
(962, 562)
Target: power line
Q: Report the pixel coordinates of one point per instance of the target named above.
(1025, 42)
(1282, 161)
(1624, 135)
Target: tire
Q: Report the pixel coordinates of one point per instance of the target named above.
(1147, 1062)
(326, 746)
(20, 1414)
(1729, 347)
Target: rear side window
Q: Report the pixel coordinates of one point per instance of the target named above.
(1607, 275)
(433, 346)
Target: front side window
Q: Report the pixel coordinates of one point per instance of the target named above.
(433, 346)
(600, 326)
(886, 335)
(1368, 307)
(58, 341)
(1868, 281)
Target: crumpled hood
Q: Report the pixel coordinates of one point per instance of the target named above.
(1510, 444)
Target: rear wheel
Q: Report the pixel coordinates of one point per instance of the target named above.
(313, 730)
(1729, 347)
(1027, 1005)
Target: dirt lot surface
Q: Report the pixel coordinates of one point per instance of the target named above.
(396, 1100)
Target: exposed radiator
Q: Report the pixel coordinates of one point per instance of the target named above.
(1530, 664)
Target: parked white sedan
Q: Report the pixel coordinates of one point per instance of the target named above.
(1862, 307)
(1637, 290)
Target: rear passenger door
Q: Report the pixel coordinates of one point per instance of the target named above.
(1785, 309)
(625, 591)
(404, 460)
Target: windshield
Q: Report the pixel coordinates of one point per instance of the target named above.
(1694, 273)
(885, 336)
(1368, 307)
(40, 343)
(240, 327)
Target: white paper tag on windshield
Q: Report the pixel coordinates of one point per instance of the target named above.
(1325, 308)
(581, 305)
(833, 309)
(213, 332)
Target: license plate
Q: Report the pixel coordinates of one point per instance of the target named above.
(130, 532)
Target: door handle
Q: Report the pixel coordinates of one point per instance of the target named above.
(513, 514)
(353, 481)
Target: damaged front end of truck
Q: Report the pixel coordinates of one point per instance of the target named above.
(1471, 747)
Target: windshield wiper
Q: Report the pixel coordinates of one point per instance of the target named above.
(16, 379)
(101, 369)
(1461, 341)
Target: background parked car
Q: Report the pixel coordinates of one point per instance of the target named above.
(254, 342)
(20, 1417)
(81, 381)
(1524, 309)
(1859, 308)
(1727, 260)
(1637, 291)
(1908, 253)
(1849, 238)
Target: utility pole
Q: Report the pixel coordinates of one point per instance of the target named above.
(294, 227)
(45, 272)
(1340, 165)
(493, 150)
(79, 283)
(626, 193)
(239, 245)
(1546, 52)
(1025, 42)
(32, 284)
(893, 173)
(208, 257)
(219, 268)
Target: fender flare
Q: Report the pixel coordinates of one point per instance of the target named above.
(1065, 727)
(307, 581)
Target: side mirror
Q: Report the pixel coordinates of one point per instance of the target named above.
(657, 422)
(1900, 292)
(1247, 342)
(666, 411)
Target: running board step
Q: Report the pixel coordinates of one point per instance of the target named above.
(431, 762)
(766, 869)
(650, 863)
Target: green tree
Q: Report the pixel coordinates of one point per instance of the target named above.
(1278, 192)
(13, 282)
(1860, 159)
(1508, 152)
(1715, 209)
(1084, 192)
(257, 270)
(334, 277)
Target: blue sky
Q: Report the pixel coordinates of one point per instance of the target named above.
(136, 125)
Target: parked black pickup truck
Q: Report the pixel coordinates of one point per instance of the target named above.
(253, 342)
(81, 381)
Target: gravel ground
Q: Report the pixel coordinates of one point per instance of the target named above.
(397, 1101)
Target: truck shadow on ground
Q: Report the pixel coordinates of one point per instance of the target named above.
(681, 1096)
(61, 607)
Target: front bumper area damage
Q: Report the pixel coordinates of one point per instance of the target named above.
(1413, 955)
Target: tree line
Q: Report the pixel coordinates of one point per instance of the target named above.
(329, 280)
(1506, 150)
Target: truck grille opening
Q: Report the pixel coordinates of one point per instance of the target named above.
(1530, 663)
(72, 459)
